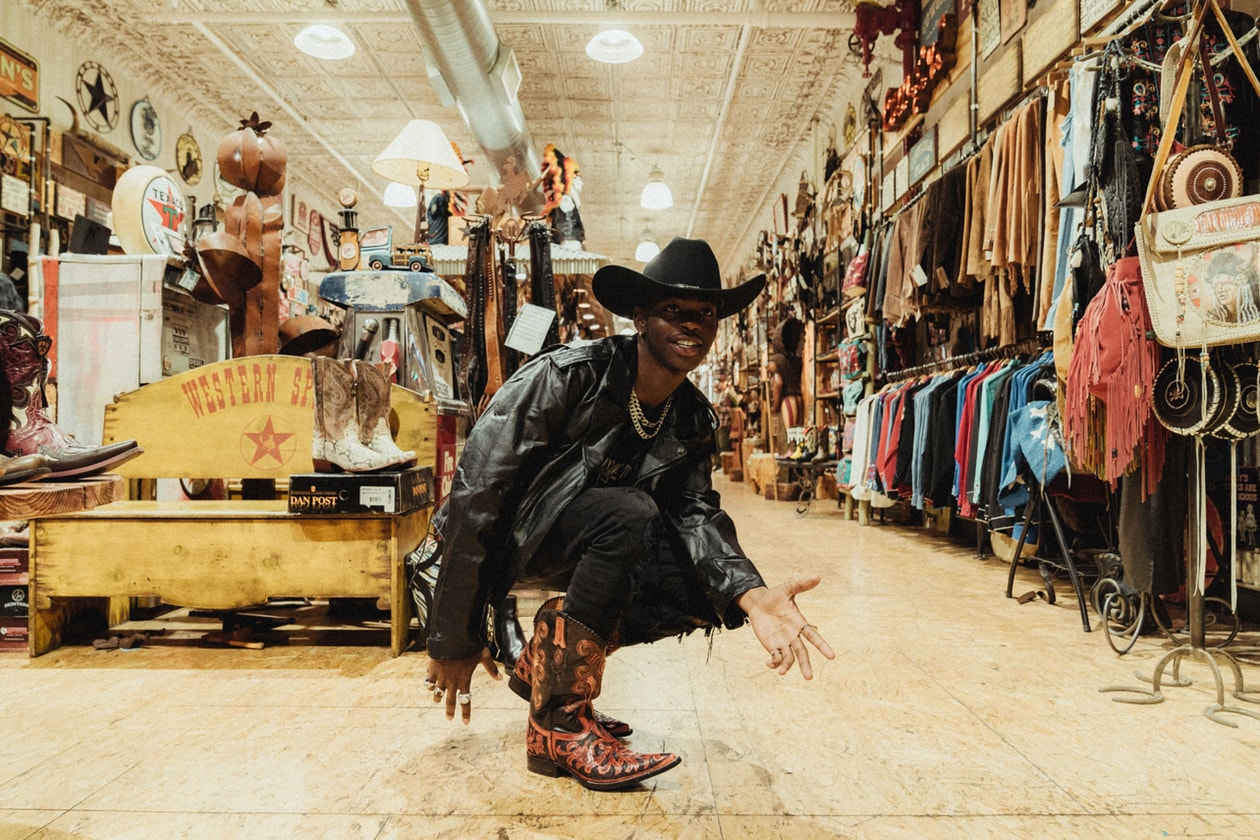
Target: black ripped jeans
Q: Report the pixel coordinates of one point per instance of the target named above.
(609, 553)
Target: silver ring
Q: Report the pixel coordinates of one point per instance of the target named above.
(438, 693)
(463, 697)
(429, 684)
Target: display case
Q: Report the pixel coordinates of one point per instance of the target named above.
(402, 317)
(406, 318)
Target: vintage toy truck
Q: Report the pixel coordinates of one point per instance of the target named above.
(377, 251)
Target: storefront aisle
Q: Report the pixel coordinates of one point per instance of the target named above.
(950, 712)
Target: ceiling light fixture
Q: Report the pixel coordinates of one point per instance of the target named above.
(323, 41)
(647, 247)
(614, 46)
(656, 194)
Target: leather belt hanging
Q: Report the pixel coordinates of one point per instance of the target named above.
(492, 333)
(542, 284)
(472, 363)
(507, 288)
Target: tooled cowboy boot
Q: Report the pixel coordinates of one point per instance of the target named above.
(563, 737)
(26, 428)
(371, 398)
(522, 671)
(335, 437)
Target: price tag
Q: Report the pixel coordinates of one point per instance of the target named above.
(377, 497)
(529, 330)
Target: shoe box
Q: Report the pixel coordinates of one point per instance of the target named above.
(14, 599)
(14, 560)
(14, 634)
(397, 491)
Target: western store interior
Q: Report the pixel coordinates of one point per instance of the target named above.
(267, 266)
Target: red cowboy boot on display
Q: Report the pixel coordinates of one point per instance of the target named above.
(24, 363)
(563, 737)
(521, 676)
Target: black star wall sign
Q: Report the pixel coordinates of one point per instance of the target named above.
(98, 96)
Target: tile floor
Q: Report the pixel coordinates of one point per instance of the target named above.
(950, 712)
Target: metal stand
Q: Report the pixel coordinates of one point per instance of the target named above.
(806, 474)
(1038, 503)
(1196, 647)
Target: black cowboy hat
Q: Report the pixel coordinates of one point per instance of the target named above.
(683, 268)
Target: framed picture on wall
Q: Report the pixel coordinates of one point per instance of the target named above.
(314, 233)
(299, 215)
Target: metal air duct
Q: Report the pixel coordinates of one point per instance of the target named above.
(470, 69)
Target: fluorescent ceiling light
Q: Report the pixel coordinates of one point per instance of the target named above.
(324, 41)
(614, 46)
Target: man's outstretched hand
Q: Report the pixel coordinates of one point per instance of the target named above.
(781, 628)
(451, 680)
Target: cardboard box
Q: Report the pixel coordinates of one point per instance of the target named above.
(14, 634)
(380, 492)
(14, 601)
(14, 560)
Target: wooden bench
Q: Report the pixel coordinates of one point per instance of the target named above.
(248, 418)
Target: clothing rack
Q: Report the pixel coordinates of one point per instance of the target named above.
(1039, 92)
(1028, 346)
(1126, 23)
(975, 143)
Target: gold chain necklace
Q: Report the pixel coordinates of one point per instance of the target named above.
(646, 428)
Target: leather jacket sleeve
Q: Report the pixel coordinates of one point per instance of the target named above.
(692, 511)
(522, 426)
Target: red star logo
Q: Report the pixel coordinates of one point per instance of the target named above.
(267, 442)
(172, 217)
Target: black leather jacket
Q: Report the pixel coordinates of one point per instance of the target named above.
(538, 444)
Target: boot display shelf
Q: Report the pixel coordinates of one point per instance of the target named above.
(34, 499)
(249, 418)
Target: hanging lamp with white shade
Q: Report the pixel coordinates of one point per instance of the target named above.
(647, 247)
(656, 194)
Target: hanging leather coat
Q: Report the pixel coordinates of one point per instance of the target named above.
(539, 444)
